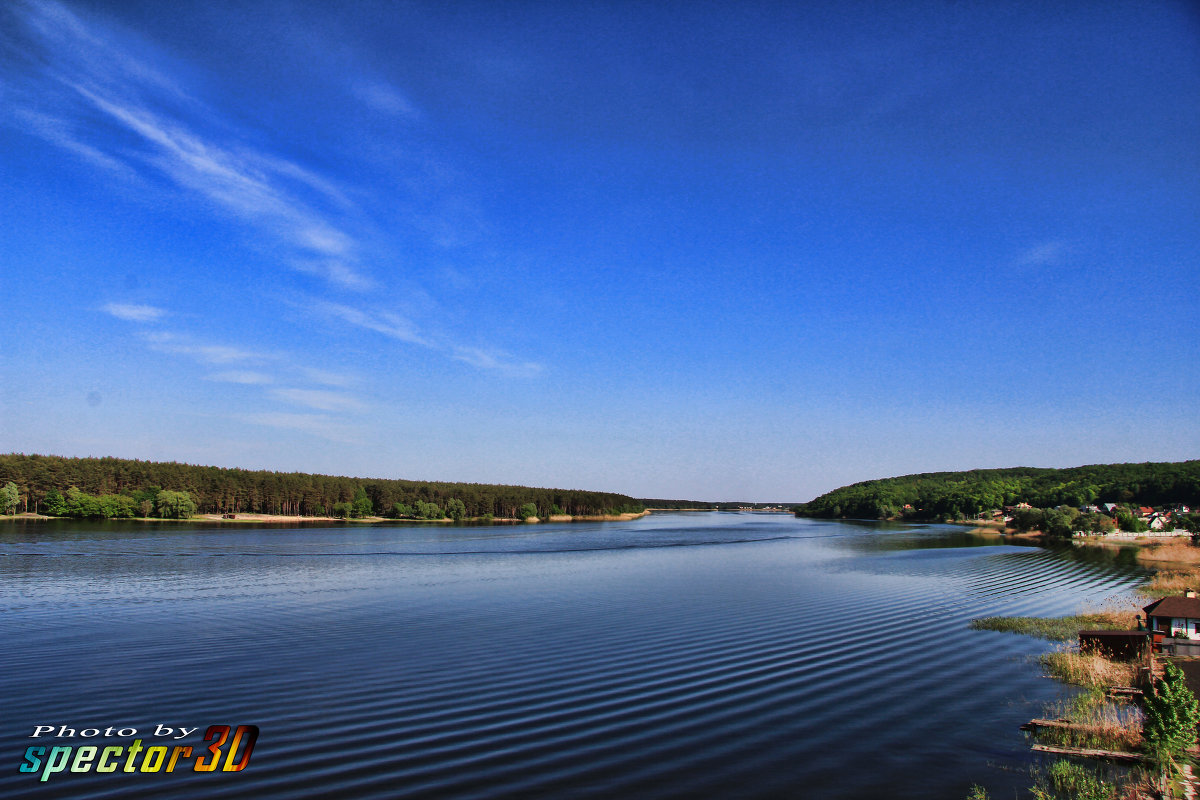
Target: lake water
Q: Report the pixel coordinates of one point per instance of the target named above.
(676, 656)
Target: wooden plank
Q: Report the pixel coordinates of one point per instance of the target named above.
(1034, 724)
(1108, 755)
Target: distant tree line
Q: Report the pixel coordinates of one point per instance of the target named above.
(116, 487)
(959, 495)
(707, 505)
(684, 504)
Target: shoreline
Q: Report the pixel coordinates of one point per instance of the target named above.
(296, 519)
(1173, 562)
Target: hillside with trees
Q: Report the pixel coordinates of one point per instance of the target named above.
(959, 495)
(116, 487)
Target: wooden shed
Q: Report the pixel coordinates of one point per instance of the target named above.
(1119, 645)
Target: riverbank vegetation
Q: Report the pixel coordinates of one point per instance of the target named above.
(1056, 629)
(1107, 720)
(1175, 565)
(116, 488)
(1089, 670)
(961, 495)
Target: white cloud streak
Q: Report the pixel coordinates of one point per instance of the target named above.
(95, 96)
(319, 399)
(257, 188)
(387, 99)
(496, 360)
(1043, 255)
(319, 425)
(244, 377)
(203, 352)
(387, 323)
(134, 313)
(327, 378)
(402, 329)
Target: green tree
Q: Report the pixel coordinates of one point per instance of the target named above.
(1059, 522)
(144, 499)
(1171, 718)
(428, 510)
(362, 506)
(455, 508)
(1129, 523)
(81, 504)
(174, 505)
(341, 510)
(9, 497)
(117, 506)
(528, 510)
(55, 504)
(1028, 519)
(1189, 522)
(1095, 523)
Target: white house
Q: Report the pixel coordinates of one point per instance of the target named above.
(1175, 615)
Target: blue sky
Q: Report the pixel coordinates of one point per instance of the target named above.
(698, 250)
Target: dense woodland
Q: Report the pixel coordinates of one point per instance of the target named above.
(131, 488)
(959, 495)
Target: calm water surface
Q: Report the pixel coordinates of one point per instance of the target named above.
(676, 656)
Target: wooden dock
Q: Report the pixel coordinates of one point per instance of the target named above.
(1061, 724)
(1080, 752)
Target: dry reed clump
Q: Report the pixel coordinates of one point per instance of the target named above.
(1176, 564)
(1117, 613)
(1178, 551)
(1088, 669)
(1170, 581)
(1098, 723)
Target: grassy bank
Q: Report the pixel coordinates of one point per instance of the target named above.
(1058, 629)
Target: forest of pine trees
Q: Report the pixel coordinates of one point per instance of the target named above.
(131, 488)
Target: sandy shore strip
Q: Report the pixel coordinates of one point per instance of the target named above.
(291, 519)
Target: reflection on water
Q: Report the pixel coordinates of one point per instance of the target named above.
(680, 655)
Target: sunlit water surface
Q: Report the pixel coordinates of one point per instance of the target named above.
(677, 656)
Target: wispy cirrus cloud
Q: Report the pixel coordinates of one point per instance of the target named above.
(204, 352)
(174, 137)
(496, 360)
(243, 377)
(1045, 254)
(400, 328)
(319, 399)
(319, 425)
(59, 132)
(327, 378)
(108, 97)
(388, 323)
(134, 313)
(386, 99)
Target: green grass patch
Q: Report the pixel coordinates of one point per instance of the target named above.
(1056, 629)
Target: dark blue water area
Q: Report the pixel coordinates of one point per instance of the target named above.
(676, 656)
